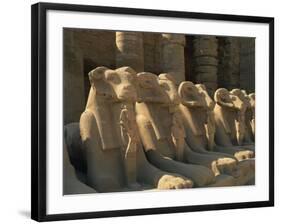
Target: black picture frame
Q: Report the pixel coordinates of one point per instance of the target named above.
(38, 108)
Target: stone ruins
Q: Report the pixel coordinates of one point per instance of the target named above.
(140, 131)
(151, 130)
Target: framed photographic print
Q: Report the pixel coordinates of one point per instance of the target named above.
(139, 111)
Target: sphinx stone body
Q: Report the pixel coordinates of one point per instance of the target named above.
(72, 184)
(162, 132)
(252, 98)
(139, 130)
(199, 120)
(247, 116)
(114, 156)
(229, 116)
(210, 127)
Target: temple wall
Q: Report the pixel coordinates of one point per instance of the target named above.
(84, 50)
(214, 61)
(73, 80)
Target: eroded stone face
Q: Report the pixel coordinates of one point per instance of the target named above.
(208, 100)
(242, 96)
(229, 100)
(252, 97)
(167, 83)
(115, 85)
(210, 127)
(229, 114)
(149, 89)
(190, 96)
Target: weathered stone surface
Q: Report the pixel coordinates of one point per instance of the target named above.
(205, 53)
(152, 52)
(208, 77)
(252, 97)
(73, 79)
(84, 50)
(161, 130)
(173, 56)
(193, 58)
(109, 134)
(176, 126)
(77, 154)
(110, 128)
(210, 127)
(129, 50)
(247, 64)
(199, 124)
(229, 66)
(71, 182)
(246, 116)
(206, 60)
(230, 115)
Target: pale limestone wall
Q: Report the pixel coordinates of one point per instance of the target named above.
(194, 58)
(73, 80)
(84, 50)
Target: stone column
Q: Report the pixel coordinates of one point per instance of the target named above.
(129, 50)
(247, 64)
(205, 52)
(152, 46)
(229, 66)
(173, 60)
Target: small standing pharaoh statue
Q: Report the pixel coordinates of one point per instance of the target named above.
(178, 135)
(210, 123)
(210, 128)
(129, 132)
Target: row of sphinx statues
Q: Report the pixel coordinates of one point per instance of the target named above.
(142, 131)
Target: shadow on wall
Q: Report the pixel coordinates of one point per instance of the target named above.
(227, 62)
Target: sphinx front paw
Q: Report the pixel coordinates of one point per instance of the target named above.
(245, 154)
(174, 182)
(226, 166)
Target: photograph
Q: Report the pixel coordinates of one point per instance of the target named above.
(143, 111)
(149, 111)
